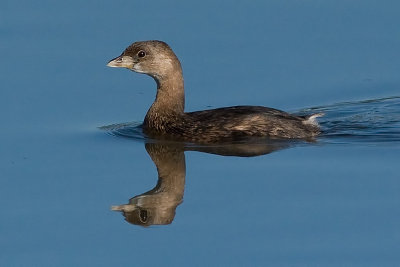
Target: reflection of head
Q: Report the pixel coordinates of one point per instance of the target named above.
(158, 205)
(135, 216)
(150, 209)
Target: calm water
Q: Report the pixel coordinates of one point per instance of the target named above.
(333, 202)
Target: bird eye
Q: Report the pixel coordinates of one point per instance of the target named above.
(141, 53)
(143, 216)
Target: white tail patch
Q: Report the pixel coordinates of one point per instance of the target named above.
(312, 119)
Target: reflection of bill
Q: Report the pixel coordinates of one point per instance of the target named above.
(158, 205)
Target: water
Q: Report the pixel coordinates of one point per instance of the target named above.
(261, 203)
(374, 121)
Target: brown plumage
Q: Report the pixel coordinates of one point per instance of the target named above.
(166, 118)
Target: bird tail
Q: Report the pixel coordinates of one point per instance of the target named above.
(311, 119)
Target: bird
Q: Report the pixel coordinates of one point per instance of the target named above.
(167, 119)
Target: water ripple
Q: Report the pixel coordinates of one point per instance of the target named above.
(127, 129)
(370, 121)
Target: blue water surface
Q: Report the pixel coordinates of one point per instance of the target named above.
(332, 202)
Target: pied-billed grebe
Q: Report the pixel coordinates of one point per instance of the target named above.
(166, 117)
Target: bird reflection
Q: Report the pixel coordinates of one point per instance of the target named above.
(157, 206)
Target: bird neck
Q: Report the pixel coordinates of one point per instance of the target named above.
(170, 98)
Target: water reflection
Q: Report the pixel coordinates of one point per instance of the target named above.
(157, 206)
(369, 122)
